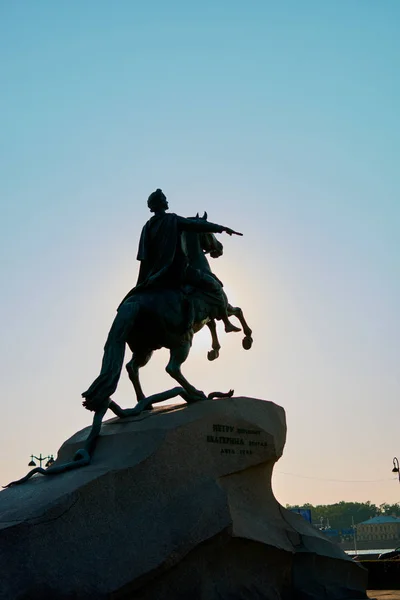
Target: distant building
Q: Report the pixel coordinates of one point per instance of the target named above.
(379, 528)
(303, 512)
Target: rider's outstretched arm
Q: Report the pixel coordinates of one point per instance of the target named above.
(203, 226)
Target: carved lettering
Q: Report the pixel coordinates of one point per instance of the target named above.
(224, 440)
(263, 444)
(248, 431)
(223, 428)
(240, 439)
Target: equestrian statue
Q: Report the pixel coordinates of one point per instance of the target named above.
(175, 296)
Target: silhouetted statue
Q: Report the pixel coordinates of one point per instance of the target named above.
(175, 296)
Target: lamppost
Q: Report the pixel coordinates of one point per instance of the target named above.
(354, 535)
(396, 466)
(41, 458)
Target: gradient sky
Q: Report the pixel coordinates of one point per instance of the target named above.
(281, 119)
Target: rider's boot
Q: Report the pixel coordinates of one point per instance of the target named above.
(229, 327)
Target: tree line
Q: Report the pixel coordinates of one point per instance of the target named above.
(342, 514)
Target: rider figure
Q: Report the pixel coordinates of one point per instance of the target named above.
(163, 262)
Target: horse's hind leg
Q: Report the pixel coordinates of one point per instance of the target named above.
(216, 347)
(137, 361)
(237, 312)
(178, 356)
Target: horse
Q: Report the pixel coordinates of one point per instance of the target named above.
(152, 319)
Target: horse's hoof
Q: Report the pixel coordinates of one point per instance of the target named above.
(212, 354)
(195, 396)
(247, 342)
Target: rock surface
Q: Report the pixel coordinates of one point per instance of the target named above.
(177, 503)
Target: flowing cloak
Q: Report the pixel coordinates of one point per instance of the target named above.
(162, 258)
(159, 244)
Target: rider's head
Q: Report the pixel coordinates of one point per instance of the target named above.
(157, 201)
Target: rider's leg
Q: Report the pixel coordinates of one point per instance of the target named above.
(229, 327)
(224, 315)
(178, 356)
(137, 361)
(208, 283)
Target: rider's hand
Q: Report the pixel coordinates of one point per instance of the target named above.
(231, 231)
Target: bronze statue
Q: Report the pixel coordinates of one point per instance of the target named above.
(175, 296)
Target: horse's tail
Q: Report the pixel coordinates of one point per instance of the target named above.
(114, 351)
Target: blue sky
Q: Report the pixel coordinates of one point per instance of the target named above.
(279, 119)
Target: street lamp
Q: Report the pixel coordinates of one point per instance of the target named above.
(41, 458)
(396, 466)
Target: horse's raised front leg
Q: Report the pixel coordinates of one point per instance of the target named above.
(114, 351)
(216, 347)
(137, 361)
(236, 311)
(178, 356)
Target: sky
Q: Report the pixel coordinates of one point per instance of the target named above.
(281, 120)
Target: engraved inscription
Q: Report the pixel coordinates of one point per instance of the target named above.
(224, 440)
(238, 441)
(223, 428)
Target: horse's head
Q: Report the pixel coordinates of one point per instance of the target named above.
(209, 243)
